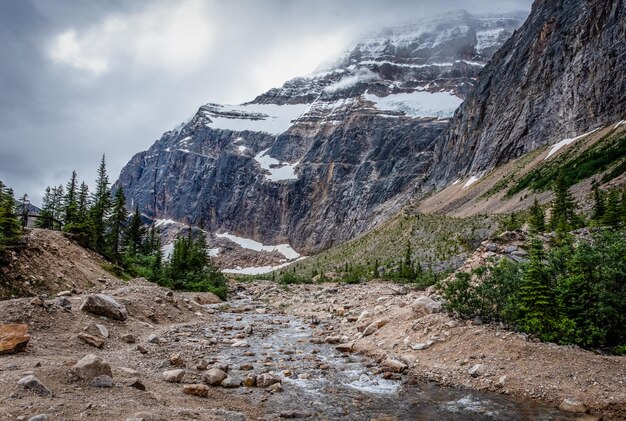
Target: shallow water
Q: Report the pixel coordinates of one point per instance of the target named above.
(347, 387)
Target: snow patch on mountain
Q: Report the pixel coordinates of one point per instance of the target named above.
(284, 249)
(557, 146)
(418, 103)
(258, 270)
(471, 181)
(269, 118)
(489, 38)
(278, 170)
(362, 74)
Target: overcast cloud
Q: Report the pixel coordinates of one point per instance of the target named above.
(82, 78)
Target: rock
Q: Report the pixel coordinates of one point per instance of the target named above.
(128, 371)
(153, 339)
(374, 326)
(33, 383)
(240, 344)
(249, 380)
(95, 329)
(104, 305)
(246, 367)
(501, 382)
(573, 405)
(141, 349)
(345, 348)
(247, 329)
(101, 381)
(63, 302)
(214, 376)
(452, 323)
(173, 376)
(364, 315)
(91, 340)
(13, 338)
(37, 301)
(40, 417)
(65, 293)
(477, 321)
(423, 306)
(136, 383)
(231, 382)
(145, 416)
(394, 365)
(176, 360)
(422, 345)
(276, 387)
(200, 390)
(333, 339)
(129, 338)
(91, 366)
(266, 380)
(476, 370)
(408, 359)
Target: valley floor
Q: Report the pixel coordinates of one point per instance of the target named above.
(340, 351)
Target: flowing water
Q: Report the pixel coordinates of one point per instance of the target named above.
(321, 383)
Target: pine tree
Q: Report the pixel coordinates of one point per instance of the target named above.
(407, 270)
(24, 210)
(10, 228)
(45, 218)
(70, 201)
(612, 216)
(598, 202)
(101, 208)
(563, 207)
(536, 219)
(135, 232)
(117, 223)
(57, 207)
(83, 202)
(535, 292)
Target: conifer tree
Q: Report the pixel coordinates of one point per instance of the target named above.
(536, 219)
(70, 201)
(10, 229)
(535, 292)
(83, 202)
(563, 207)
(117, 223)
(135, 232)
(612, 216)
(45, 218)
(598, 202)
(57, 207)
(101, 207)
(157, 263)
(24, 210)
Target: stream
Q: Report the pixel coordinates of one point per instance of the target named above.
(320, 382)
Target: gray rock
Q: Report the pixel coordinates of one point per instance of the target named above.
(33, 383)
(573, 405)
(91, 366)
(231, 382)
(266, 380)
(102, 381)
(104, 305)
(423, 306)
(63, 302)
(173, 376)
(40, 417)
(153, 338)
(477, 370)
(129, 338)
(214, 376)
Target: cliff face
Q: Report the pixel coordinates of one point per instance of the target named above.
(326, 156)
(561, 74)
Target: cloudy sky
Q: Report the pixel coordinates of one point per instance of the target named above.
(82, 78)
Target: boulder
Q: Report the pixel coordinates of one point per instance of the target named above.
(200, 390)
(266, 380)
(63, 302)
(250, 380)
(91, 366)
(33, 383)
(214, 376)
(173, 376)
(231, 382)
(393, 365)
(91, 340)
(95, 329)
(477, 370)
(573, 405)
(345, 348)
(102, 381)
(104, 305)
(423, 306)
(13, 338)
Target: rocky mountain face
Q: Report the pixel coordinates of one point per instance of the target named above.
(326, 156)
(561, 75)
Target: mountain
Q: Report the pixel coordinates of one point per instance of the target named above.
(561, 75)
(325, 156)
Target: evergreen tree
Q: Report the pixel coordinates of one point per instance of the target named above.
(536, 219)
(57, 207)
(24, 210)
(45, 218)
(70, 201)
(407, 270)
(81, 226)
(10, 228)
(613, 215)
(117, 223)
(534, 296)
(82, 211)
(135, 232)
(563, 207)
(101, 208)
(623, 207)
(157, 263)
(598, 202)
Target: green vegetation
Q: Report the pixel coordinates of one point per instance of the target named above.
(101, 222)
(10, 226)
(607, 154)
